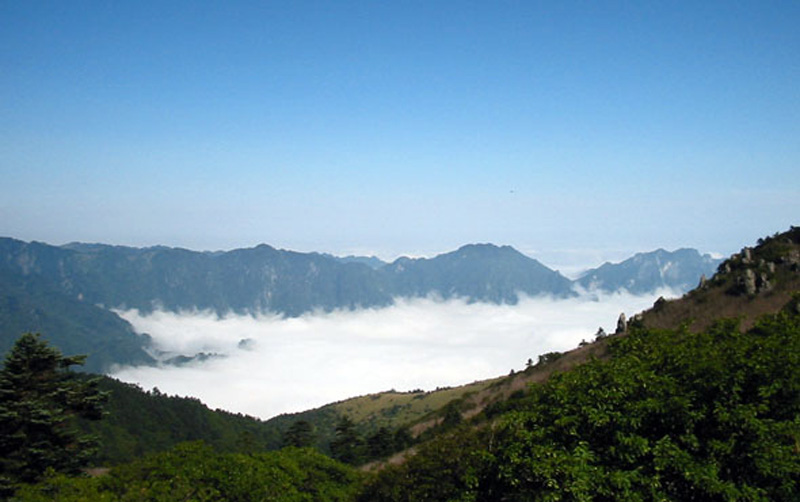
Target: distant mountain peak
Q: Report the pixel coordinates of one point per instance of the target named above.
(678, 270)
(480, 246)
(487, 250)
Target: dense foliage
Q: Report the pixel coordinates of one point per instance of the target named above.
(350, 447)
(40, 400)
(193, 471)
(140, 422)
(676, 416)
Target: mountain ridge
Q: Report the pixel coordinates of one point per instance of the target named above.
(644, 272)
(93, 278)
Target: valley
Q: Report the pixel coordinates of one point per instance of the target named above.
(390, 433)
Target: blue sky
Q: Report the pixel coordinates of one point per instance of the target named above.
(574, 131)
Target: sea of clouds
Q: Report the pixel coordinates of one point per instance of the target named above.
(270, 365)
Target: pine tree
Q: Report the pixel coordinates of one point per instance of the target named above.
(300, 435)
(40, 401)
(380, 444)
(347, 446)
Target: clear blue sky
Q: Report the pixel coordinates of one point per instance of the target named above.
(570, 130)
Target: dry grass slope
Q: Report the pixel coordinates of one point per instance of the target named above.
(749, 284)
(754, 282)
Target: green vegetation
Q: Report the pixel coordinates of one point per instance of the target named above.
(193, 471)
(392, 410)
(352, 448)
(671, 415)
(703, 411)
(40, 400)
(300, 435)
(348, 446)
(139, 422)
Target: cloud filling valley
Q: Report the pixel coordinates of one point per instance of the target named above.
(268, 365)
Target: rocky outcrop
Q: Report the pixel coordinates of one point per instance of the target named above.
(754, 271)
(622, 324)
(747, 282)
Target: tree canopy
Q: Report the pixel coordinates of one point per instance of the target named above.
(40, 401)
(672, 416)
(194, 471)
(300, 435)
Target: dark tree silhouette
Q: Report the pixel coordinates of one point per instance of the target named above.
(347, 446)
(300, 435)
(40, 401)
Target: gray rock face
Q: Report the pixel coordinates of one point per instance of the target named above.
(762, 282)
(622, 323)
(748, 282)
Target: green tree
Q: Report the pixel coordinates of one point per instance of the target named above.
(381, 444)
(347, 446)
(194, 471)
(452, 415)
(402, 439)
(711, 416)
(40, 402)
(443, 469)
(300, 435)
(669, 416)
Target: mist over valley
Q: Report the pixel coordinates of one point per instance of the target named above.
(264, 365)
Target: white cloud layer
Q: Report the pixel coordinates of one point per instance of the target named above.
(290, 365)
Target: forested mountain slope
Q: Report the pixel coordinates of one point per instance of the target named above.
(33, 299)
(140, 422)
(668, 415)
(707, 410)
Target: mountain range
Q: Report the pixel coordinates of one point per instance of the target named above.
(66, 292)
(142, 421)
